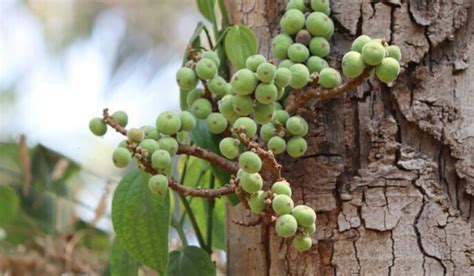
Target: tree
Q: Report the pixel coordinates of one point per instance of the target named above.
(389, 170)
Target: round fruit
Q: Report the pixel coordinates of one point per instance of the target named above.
(121, 157)
(249, 126)
(216, 123)
(282, 204)
(243, 105)
(267, 131)
(280, 45)
(298, 53)
(296, 125)
(136, 135)
(168, 123)
(360, 42)
(149, 145)
(319, 46)
(186, 78)
(296, 146)
(201, 108)
(263, 113)
(310, 229)
(304, 215)
(321, 6)
(277, 144)
(282, 77)
(388, 70)
(352, 64)
(292, 21)
(193, 95)
(158, 185)
(206, 69)
(299, 76)
(296, 4)
(254, 61)
(123, 144)
(218, 86)
(244, 82)
(250, 182)
(286, 226)
(169, 144)
(303, 37)
(229, 147)
(373, 53)
(160, 159)
(266, 93)
(151, 132)
(394, 52)
(97, 126)
(266, 72)
(121, 117)
(188, 122)
(316, 64)
(250, 162)
(281, 188)
(212, 56)
(329, 78)
(286, 64)
(281, 116)
(302, 243)
(257, 202)
(318, 24)
(226, 108)
(329, 35)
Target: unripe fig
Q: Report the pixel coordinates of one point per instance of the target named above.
(296, 4)
(266, 93)
(218, 86)
(292, 21)
(296, 146)
(186, 78)
(394, 52)
(243, 105)
(249, 126)
(226, 108)
(329, 35)
(97, 126)
(303, 37)
(304, 215)
(266, 72)
(286, 226)
(121, 117)
(169, 144)
(267, 131)
(329, 78)
(317, 23)
(149, 145)
(298, 53)
(373, 53)
(263, 113)
(216, 123)
(193, 95)
(168, 123)
(188, 122)
(280, 93)
(286, 64)
(158, 185)
(302, 243)
(136, 135)
(229, 147)
(151, 132)
(123, 144)
(281, 188)
(160, 159)
(206, 69)
(321, 6)
(281, 116)
(244, 82)
(280, 45)
(360, 42)
(388, 70)
(121, 157)
(319, 46)
(309, 230)
(277, 144)
(316, 64)
(257, 202)
(250, 162)
(282, 77)
(282, 204)
(201, 108)
(297, 126)
(212, 56)
(352, 64)
(254, 61)
(299, 76)
(251, 182)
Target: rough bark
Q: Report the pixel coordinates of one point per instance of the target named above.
(390, 170)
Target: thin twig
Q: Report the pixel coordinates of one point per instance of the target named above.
(207, 155)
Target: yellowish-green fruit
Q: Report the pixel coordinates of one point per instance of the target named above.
(304, 215)
(296, 125)
(218, 86)
(169, 144)
(226, 108)
(388, 70)
(244, 82)
(254, 61)
(247, 124)
(229, 147)
(299, 76)
(257, 202)
(296, 4)
(321, 6)
(250, 182)
(136, 135)
(151, 132)
(277, 145)
(316, 64)
(266, 72)
(201, 108)
(281, 93)
(373, 53)
(309, 230)
(352, 64)
(319, 46)
(394, 52)
(193, 95)
(329, 35)
(160, 159)
(282, 77)
(250, 162)
(267, 131)
(188, 122)
(121, 117)
(97, 126)
(298, 53)
(216, 123)
(286, 226)
(281, 116)
(286, 64)
(296, 146)
(317, 23)
(360, 42)
(123, 144)
(243, 105)
(280, 45)
(266, 93)
(206, 69)
(302, 243)
(281, 188)
(158, 185)
(329, 78)
(149, 145)
(292, 21)
(282, 204)
(186, 78)
(212, 56)
(121, 157)
(168, 123)
(263, 113)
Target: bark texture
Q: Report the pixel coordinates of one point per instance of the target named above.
(389, 170)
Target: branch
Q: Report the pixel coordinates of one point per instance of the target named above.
(113, 123)
(207, 155)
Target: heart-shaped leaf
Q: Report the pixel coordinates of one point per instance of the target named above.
(240, 43)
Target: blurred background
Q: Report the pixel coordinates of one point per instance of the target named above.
(61, 63)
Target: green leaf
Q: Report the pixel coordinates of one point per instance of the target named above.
(9, 205)
(122, 263)
(225, 16)
(141, 221)
(206, 7)
(240, 43)
(200, 210)
(191, 261)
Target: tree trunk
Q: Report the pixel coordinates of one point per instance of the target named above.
(389, 170)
